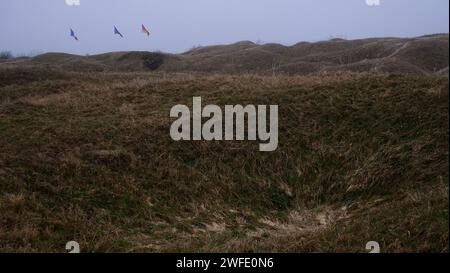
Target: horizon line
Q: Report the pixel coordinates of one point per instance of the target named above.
(258, 42)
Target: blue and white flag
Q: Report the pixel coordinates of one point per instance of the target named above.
(116, 31)
(72, 33)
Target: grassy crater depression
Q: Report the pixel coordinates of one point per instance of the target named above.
(88, 157)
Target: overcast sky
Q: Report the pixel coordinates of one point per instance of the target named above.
(38, 26)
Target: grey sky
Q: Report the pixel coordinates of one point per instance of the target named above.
(37, 26)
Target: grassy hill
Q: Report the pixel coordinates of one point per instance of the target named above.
(363, 150)
(421, 55)
(88, 157)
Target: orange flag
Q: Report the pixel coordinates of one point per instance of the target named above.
(144, 30)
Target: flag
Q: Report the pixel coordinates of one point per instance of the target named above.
(72, 33)
(144, 30)
(116, 31)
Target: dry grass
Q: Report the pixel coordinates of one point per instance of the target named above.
(88, 157)
(416, 56)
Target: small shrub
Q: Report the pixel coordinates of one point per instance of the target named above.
(5, 55)
(153, 61)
